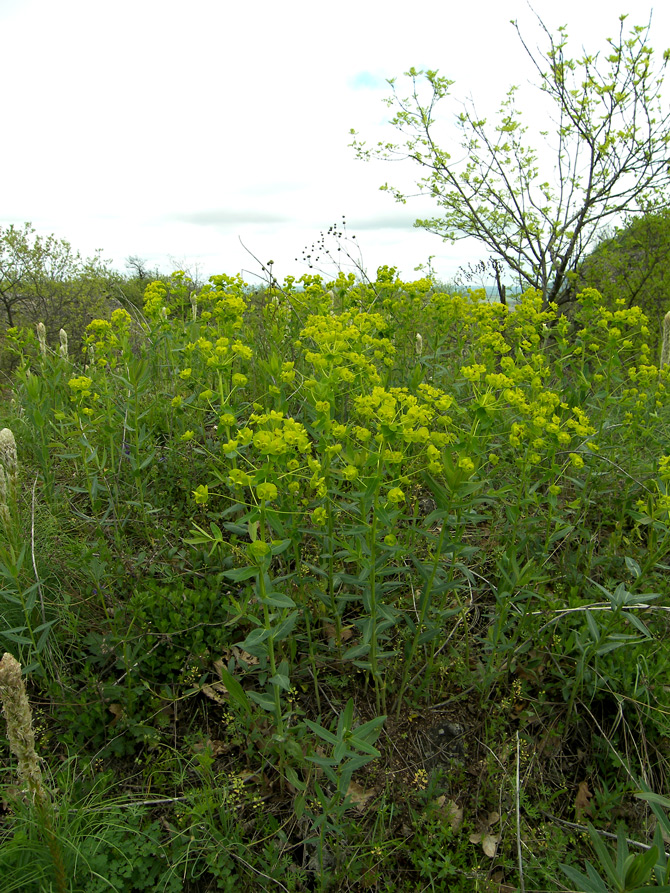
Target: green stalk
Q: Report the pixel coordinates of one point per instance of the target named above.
(308, 625)
(425, 604)
(331, 581)
(380, 690)
(268, 625)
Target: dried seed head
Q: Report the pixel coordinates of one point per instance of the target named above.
(8, 457)
(42, 338)
(20, 726)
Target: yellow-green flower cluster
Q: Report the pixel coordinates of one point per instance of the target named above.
(650, 390)
(222, 301)
(526, 326)
(398, 418)
(104, 337)
(155, 299)
(277, 450)
(83, 394)
(607, 334)
(348, 348)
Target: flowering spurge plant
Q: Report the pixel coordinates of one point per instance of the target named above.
(107, 339)
(349, 348)
(263, 468)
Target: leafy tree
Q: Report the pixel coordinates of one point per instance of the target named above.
(632, 263)
(537, 213)
(42, 279)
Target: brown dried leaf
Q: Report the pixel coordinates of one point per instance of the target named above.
(452, 812)
(217, 691)
(582, 805)
(358, 796)
(489, 842)
(240, 655)
(331, 632)
(117, 710)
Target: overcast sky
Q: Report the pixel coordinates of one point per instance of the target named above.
(171, 130)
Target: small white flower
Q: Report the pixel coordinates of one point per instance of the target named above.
(42, 338)
(665, 347)
(8, 456)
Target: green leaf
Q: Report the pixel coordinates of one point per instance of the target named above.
(603, 855)
(593, 626)
(583, 883)
(298, 804)
(278, 548)
(241, 573)
(369, 731)
(282, 681)
(633, 566)
(234, 689)
(256, 637)
(635, 620)
(356, 651)
(285, 628)
(561, 533)
(641, 867)
(324, 734)
(277, 600)
(263, 700)
(292, 778)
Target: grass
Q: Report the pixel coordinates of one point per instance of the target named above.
(307, 602)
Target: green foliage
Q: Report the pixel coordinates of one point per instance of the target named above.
(631, 264)
(609, 147)
(43, 280)
(280, 538)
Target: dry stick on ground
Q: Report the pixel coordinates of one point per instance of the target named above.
(608, 834)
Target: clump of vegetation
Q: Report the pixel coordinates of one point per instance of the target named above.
(341, 584)
(361, 588)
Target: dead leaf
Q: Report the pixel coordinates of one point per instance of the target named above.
(358, 796)
(497, 877)
(213, 745)
(217, 691)
(452, 812)
(331, 632)
(117, 710)
(582, 805)
(489, 842)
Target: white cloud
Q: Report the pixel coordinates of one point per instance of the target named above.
(165, 129)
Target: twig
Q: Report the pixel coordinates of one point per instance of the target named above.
(608, 834)
(522, 887)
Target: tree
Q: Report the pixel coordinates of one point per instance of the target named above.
(609, 157)
(42, 279)
(632, 263)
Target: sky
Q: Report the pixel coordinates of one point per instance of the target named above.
(182, 132)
